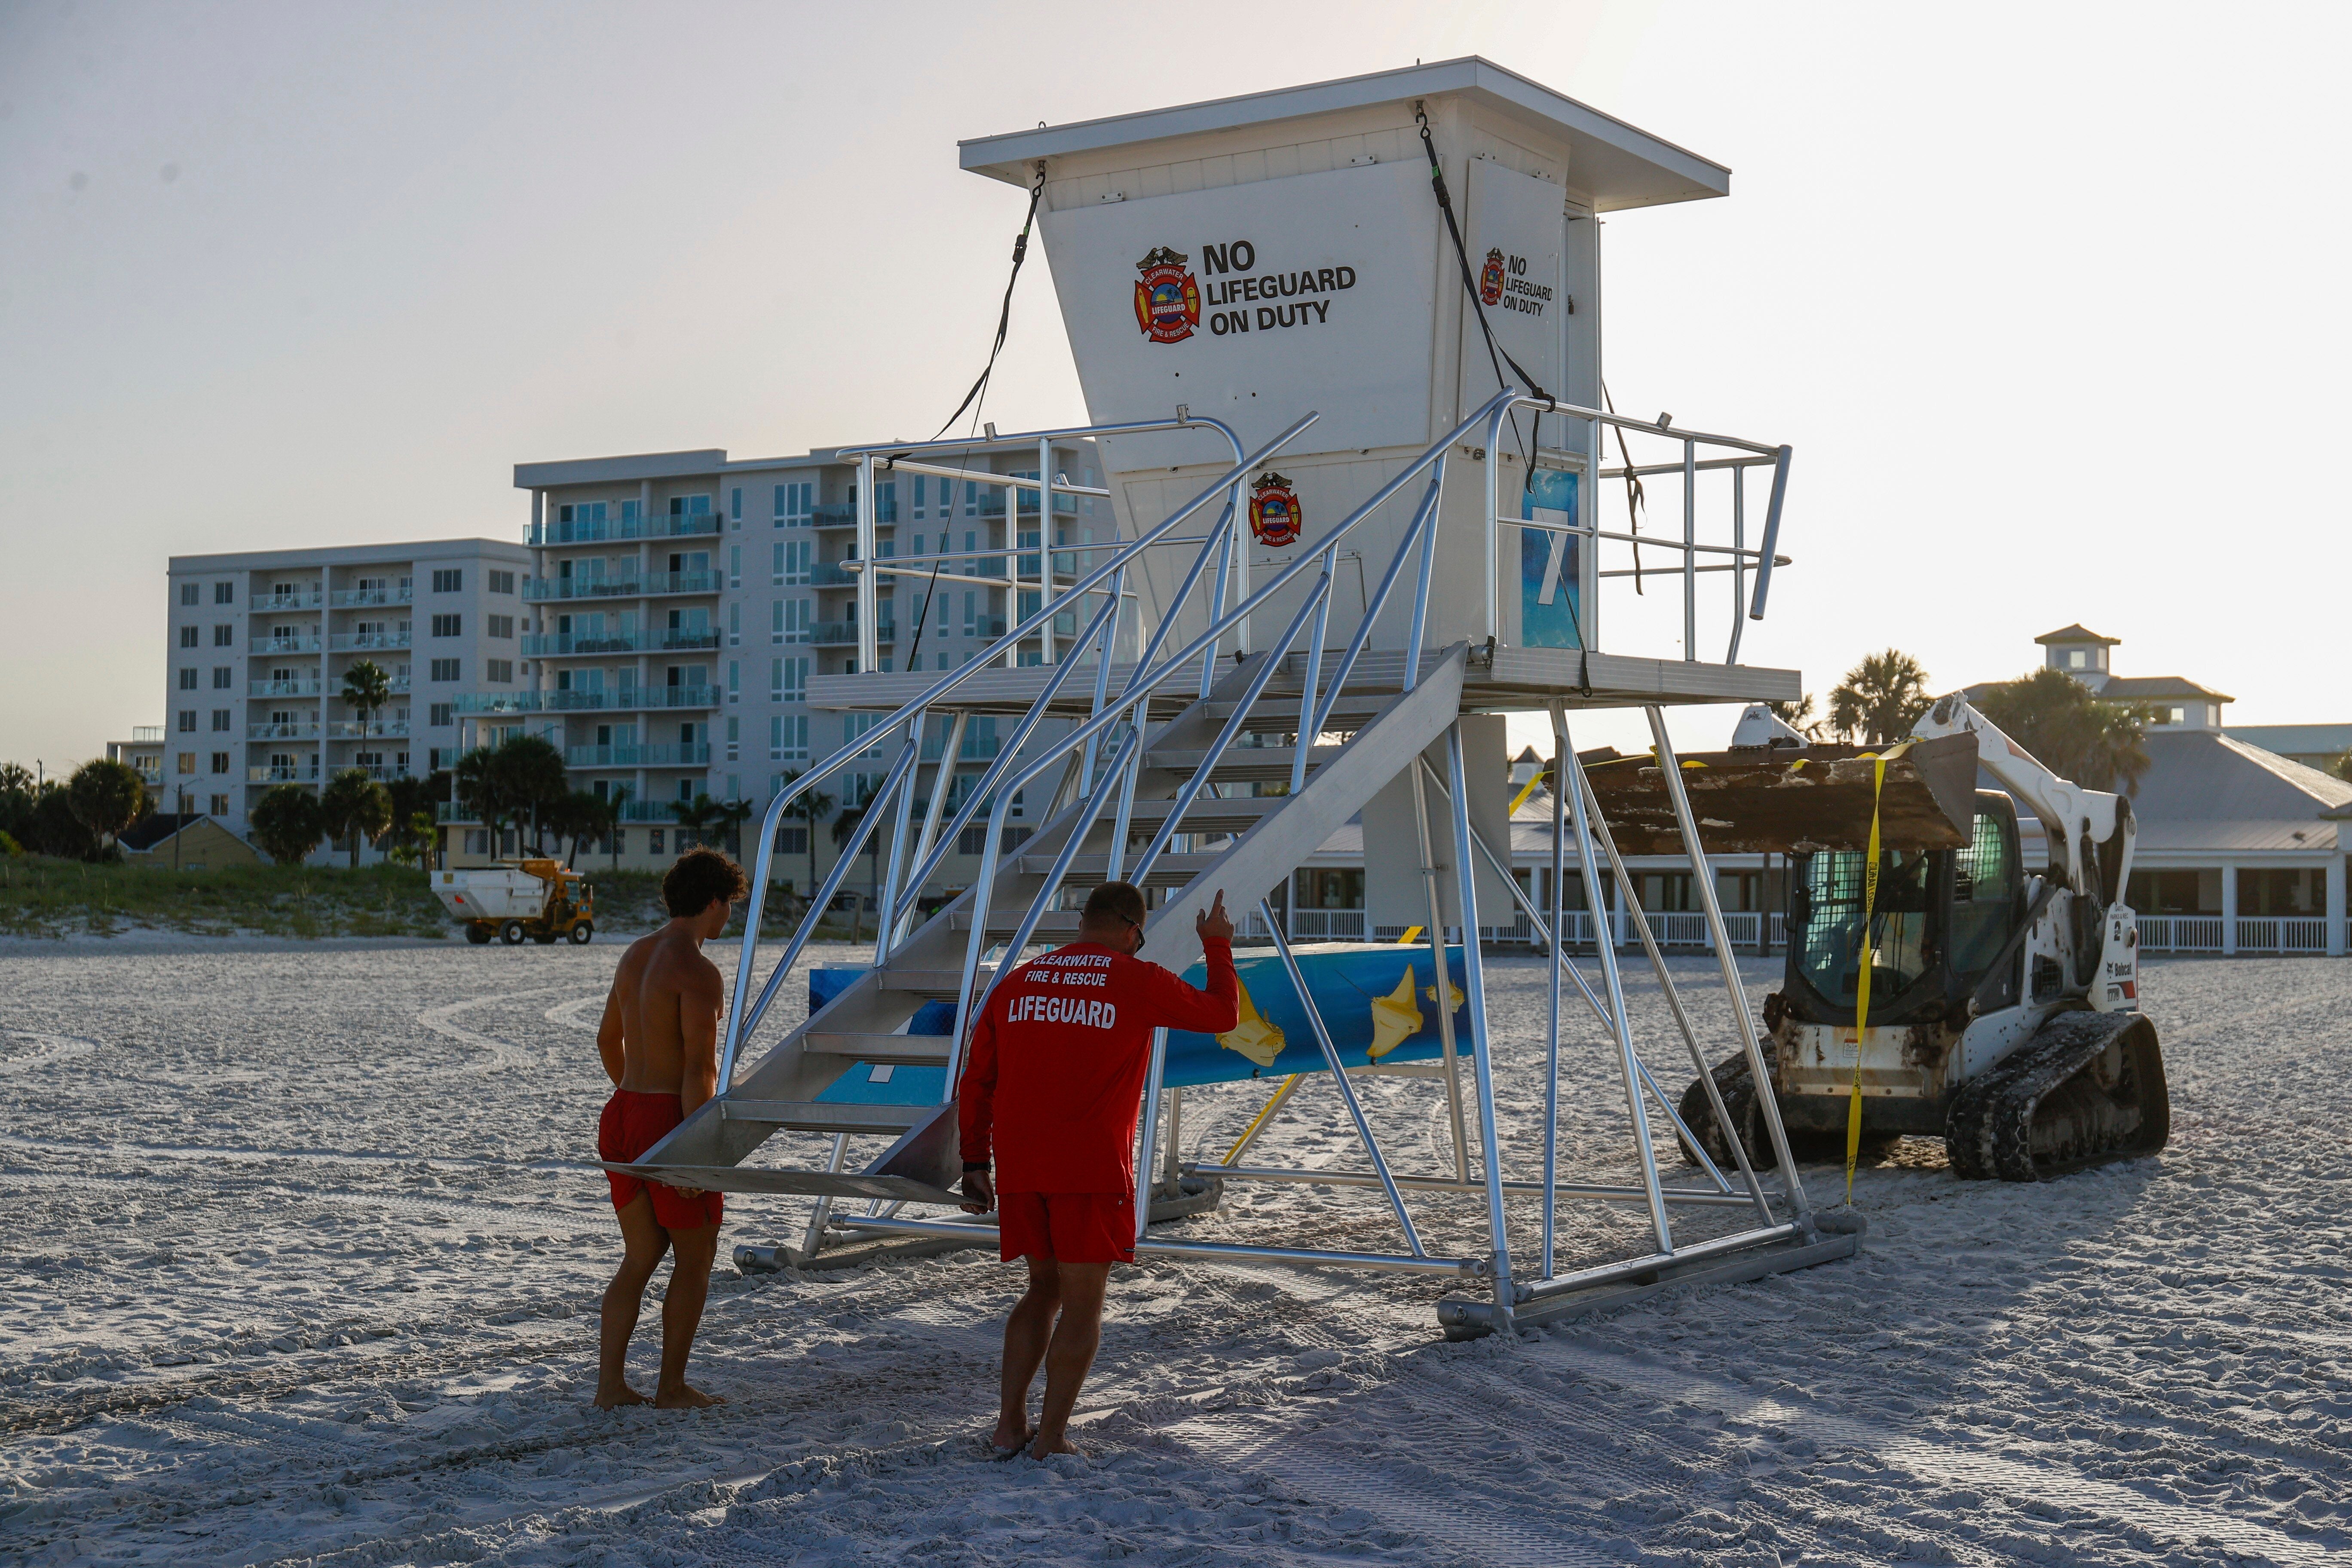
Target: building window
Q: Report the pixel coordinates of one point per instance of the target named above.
(654, 846)
(788, 738)
(734, 680)
(223, 677)
(191, 636)
(791, 841)
(188, 679)
(792, 562)
(973, 840)
(451, 625)
(221, 717)
(499, 672)
(794, 505)
(219, 805)
(187, 721)
(188, 758)
(735, 513)
(494, 625)
(885, 497)
(191, 594)
(225, 594)
(734, 566)
(792, 680)
(735, 625)
(441, 715)
(446, 669)
(503, 583)
(734, 740)
(226, 637)
(452, 580)
(220, 765)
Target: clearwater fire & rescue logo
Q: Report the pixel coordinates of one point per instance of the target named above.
(1490, 278)
(1167, 297)
(1273, 511)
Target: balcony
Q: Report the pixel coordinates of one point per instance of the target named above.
(622, 700)
(282, 688)
(357, 642)
(664, 755)
(273, 774)
(374, 730)
(305, 599)
(833, 575)
(653, 811)
(588, 531)
(349, 598)
(844, 634)
(151, 734)
(299, 731)
(587, 645)
(652, 585)
(381, 775)
(282, 645)
(840, 514)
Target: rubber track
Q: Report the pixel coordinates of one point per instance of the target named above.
(1990, 1130)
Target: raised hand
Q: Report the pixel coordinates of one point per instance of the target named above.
(1214, 924)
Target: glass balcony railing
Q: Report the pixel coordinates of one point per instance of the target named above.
(300, 731)
(282, 688)
(844, 634)
(357, 642)
(282, 645)
(660, 754)
(833, 575)
(343, 598)
(146, 734)
(583, 644)
(654, 584)
(300, 599)
(618, 700)
(588, 531)
(374, 730)
(497, 703)
(840, 514)
(276, 774)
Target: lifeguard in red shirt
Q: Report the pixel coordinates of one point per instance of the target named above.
(1053, 1085)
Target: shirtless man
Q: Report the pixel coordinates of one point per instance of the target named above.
(659, 1040)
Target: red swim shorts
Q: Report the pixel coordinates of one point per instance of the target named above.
(634, 1122)
(1067, 1227)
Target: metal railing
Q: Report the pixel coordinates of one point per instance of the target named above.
(281, 731)
(353, 642)
(652, 585)
(306, 599)
(274, 774)
(308, 644)
(844, 634)
(282, 688)
(1736, 558)
(344, 598)
(583, 644)
(373, 730)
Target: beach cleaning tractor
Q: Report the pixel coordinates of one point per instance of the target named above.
(2002, 1003)
(539, 899)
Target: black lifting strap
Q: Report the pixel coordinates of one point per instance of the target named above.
(1004, 315)
(1496, 353)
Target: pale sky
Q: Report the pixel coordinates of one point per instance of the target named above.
(2049, 300)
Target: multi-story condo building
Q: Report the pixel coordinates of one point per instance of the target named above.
(261, 642)
(681, 600)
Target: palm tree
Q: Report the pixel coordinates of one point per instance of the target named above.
(729, 819)
(355, 807)
(413, 800)
(105, 796)
(513, 779)
(285, 823)
(2099, 745)
(809, 809)
(612, 823)
(694, 819)
(1880, 698)
(843, 828)
(367, 689)
(577, 815)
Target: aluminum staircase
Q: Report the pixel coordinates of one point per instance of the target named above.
(1259, 840)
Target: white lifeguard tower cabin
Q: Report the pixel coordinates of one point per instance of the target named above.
(1370, 498)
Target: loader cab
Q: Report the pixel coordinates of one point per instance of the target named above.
(1939, 918)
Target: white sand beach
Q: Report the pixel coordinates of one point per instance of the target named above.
(303, 1266)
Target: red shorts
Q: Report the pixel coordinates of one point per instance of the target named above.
(1067, 1227)
(634, 1122)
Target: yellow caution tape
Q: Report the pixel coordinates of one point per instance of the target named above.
(1412, 933)
(1273, 1103)
(1862, 987)
(1526, 790)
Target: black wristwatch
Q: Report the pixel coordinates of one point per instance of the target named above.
(971, 1165)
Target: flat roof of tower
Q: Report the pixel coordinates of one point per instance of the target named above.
(1621, 165)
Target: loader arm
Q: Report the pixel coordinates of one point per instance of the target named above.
(2073, 817)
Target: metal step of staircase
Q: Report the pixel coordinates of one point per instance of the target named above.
(1091, 870)
(820, 1116)
(1241, 764)
(1277, 712)
(929, 984)
(1207, 814)
(900, 1050)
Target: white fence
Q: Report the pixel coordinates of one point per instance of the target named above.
(1672, 930)
(2256, 933)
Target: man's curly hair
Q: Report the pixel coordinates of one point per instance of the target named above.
(700, 876)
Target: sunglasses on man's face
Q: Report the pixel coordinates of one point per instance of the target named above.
(1139, 936)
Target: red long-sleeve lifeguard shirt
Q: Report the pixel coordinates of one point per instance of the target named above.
(1056, 1074)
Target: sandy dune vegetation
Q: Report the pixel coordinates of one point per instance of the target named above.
(302, 1265)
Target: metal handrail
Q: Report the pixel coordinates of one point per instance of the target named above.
(739, 1024)
(1764, 555)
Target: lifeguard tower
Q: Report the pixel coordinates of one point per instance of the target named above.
(1341, 348)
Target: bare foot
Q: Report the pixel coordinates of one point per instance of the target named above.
(1041, 1449)
(1007, 1440)
(684, 1397)
(613, 1398)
